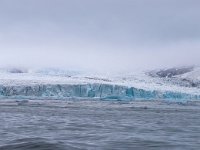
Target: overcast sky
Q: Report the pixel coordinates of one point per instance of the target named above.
(99, 34)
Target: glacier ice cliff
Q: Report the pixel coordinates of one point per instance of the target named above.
(90, 91)
(171, 84)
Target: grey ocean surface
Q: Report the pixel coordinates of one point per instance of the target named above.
(95, 124)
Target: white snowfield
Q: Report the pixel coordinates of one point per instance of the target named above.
(54, 83)
(193, 75)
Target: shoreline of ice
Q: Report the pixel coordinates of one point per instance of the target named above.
(53, 85)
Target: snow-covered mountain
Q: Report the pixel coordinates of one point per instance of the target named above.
(184, 76)
(175, 84)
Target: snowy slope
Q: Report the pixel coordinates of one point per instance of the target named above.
(193, 75)
(61, 84)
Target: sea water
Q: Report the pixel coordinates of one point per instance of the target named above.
(95, 124)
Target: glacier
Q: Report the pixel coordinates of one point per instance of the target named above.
(140, 86)
(96, 91)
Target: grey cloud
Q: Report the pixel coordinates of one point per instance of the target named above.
(103, 34)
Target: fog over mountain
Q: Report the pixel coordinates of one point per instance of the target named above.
(104, 35)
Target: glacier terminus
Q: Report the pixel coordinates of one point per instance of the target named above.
(175, 84)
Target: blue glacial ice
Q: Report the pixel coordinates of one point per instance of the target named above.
(90, 91)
